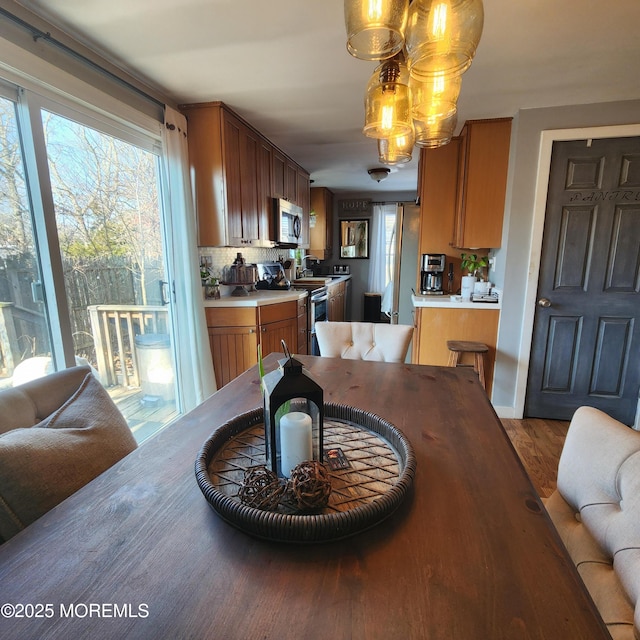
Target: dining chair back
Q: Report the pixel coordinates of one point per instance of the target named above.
(364, 340)
(596, 510)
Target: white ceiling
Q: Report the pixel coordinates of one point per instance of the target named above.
(283, 66)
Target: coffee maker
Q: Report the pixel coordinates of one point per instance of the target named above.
(431, 269)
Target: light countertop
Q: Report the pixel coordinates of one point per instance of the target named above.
(321, 280)
(257, 298)
(446, 302)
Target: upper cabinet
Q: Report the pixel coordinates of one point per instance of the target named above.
(236, 174)
(321, 233)
(482, 181)
(303, 199)
(438, 193)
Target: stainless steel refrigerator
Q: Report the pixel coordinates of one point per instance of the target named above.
(405, 272)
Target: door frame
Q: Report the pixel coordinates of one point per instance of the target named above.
(547, 138)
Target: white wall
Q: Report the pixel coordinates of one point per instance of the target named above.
(518, 260)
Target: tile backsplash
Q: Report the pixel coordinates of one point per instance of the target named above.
(222, 256)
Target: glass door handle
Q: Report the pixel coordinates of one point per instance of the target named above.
(164, 292)
(36, 291)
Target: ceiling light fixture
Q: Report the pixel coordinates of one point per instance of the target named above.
(375, 28)
(387, 103)
(379, 173)
(439, 42)
(442, 36)
(436, 132)
(396, 150)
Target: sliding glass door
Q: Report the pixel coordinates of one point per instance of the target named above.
(95, 277)
(24, 328)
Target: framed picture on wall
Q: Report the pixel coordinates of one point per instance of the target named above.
(354, 238)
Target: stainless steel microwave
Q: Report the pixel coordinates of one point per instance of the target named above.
(288, 222)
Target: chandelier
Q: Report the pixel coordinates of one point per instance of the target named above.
(423, 47)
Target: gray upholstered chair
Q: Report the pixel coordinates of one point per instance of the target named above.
(596, 510)
(364, 340)
(57, 433)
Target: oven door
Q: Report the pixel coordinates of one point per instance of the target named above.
(317, 313)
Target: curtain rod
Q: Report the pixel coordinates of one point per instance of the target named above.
(38, 34)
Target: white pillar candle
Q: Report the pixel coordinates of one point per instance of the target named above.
(295, 440)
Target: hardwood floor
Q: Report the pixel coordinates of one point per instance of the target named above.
(539, 444)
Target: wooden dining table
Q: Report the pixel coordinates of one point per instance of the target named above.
(469, 553)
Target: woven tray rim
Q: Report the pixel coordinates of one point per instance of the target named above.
(304, 528)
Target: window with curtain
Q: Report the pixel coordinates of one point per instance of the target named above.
(383, 248)
(87, 270)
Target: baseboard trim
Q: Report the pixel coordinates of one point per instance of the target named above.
(509, 413)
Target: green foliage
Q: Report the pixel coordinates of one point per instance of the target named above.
(474, 264)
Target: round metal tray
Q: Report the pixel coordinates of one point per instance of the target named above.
(381, 473)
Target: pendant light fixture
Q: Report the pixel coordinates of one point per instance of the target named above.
(435, 132)
(375, 28)
(388, 101)
(425, 47)
(396, 150)
(436, 97)
(442, 36)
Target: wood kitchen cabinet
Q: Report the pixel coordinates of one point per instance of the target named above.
(278, 322)
(225, 157)
(236, 174)
(290, 180)
(285, 177)
(235, 332)
(303, 326)
(482, 181)
(233, 338)
(304, 200)
(462, 191)
(438, 193)
(434, 326)
(336, 301)
(321, 233)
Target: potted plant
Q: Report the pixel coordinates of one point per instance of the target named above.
(474, 266)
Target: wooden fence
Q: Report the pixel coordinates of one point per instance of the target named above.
(109, 285)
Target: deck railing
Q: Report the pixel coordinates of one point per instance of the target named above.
(114, 329)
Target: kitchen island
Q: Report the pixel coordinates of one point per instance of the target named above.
(451, 302)
(439, 318)
(470, 554)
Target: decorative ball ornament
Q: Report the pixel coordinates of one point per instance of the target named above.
(261, 488)
(310, 485)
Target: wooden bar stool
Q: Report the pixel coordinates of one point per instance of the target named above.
(458, 347)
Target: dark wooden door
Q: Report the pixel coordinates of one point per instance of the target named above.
(586, 337)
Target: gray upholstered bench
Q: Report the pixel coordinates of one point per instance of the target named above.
(596, 509)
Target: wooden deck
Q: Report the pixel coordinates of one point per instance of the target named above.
(143, 417)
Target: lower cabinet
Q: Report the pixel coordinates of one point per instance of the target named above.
(302, 322)
(234, 350)
(235, 332)
(434, 326)
(336, 301)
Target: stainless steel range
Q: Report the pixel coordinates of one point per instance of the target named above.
(318, 306)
